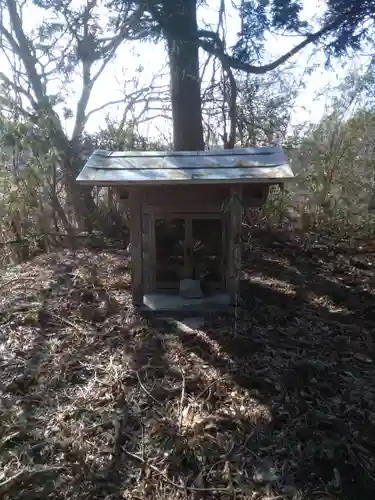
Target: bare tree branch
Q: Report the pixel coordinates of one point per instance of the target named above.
(26, 55)
(216, 47)
(87, 63)
(12, 42)
(230, 141)
(105, 105)
(108, 51)
(153, 117)
(18, 89)
(124, 32)
(11, 106)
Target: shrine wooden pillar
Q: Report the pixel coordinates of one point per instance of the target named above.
(234, 243)
(136, 245)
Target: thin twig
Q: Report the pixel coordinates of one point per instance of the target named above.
(146, 391)
(180, 486)
(14, 280)
(26, 474)
(208, 387)
(69, 323)
(182, 399)
(20, 308)
(9, 438)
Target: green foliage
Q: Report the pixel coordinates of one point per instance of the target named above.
(265, 105)
(335, 165)
(39, 161)
(355, 24)
(349, 25)
(260, 16)
(118, 136)
(23, 174)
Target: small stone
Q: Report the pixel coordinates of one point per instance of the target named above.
(265, 473)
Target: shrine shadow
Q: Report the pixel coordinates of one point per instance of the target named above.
(289, 350)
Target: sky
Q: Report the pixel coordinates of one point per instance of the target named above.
(153, 60)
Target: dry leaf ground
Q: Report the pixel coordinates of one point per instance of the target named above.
(99, 403)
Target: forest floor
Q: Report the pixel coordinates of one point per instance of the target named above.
(100, 403)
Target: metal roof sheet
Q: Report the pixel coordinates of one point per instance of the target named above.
(155, 167)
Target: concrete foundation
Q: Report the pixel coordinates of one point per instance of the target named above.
(159, 302)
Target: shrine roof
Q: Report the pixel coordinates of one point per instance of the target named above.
(239, 165)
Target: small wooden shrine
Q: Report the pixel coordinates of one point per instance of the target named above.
(185, 215)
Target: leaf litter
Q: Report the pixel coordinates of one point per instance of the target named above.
(99, 402)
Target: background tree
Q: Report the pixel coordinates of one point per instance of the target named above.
(343, 26)
(245, 102)
(264, 106)
(334, 163)
(46, 62)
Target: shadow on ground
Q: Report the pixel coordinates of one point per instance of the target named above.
(303, 346)
(98, 402)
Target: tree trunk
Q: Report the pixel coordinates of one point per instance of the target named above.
(87, 213)
(185, 80)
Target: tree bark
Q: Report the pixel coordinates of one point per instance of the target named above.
(182, 40)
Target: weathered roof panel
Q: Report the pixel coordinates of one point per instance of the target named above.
(235, 165)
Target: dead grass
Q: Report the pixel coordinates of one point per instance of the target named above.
(97, 402)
